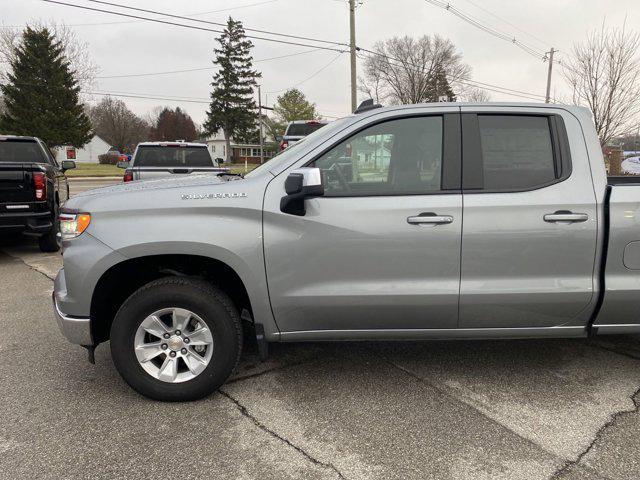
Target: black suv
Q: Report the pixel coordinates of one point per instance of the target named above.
(32, 188)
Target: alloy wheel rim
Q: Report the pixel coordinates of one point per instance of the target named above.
(173, 345)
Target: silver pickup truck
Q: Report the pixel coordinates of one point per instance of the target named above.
(166, 159)
(433, 221)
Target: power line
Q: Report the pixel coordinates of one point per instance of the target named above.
(311, 76)
(538, 39)
(166, 98)
(490, 30)
(193, 27)
(208, 22)
(168, 72)
(140, 21)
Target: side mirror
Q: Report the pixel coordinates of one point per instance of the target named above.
(68, 165)
(122, 164)
(301, 184)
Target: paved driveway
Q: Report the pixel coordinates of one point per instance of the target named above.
(534, 409)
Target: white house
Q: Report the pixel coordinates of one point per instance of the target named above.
(217, 145)
(87, 154)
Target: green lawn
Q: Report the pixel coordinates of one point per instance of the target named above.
(98, 170)
(94, 170)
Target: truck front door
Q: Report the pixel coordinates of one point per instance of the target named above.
(381, 249)
(530, 225)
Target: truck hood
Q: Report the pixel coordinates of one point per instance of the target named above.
(158, 184)
(129, 193)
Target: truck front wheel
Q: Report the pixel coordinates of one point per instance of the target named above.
(176, 339)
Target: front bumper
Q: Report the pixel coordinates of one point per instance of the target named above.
(76, 329)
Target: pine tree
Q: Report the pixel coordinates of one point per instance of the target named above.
(439, 87)
(232, 107)
(41, 95)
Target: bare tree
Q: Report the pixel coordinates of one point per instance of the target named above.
(604, 75)
(476, 95)
(76, 50)
(403, 69)
(119, 126)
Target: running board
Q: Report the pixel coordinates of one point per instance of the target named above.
(621, 329)
(434, 334)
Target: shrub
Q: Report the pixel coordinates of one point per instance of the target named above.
(108, 159)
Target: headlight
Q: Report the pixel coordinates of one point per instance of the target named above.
(73, 224)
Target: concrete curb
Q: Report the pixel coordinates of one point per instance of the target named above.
(92, 179)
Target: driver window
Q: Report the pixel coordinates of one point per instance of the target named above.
(397, 157)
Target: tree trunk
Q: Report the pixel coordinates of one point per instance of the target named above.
(227, 141)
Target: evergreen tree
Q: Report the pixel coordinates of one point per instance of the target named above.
(439, 87)
(41, 94)
(232, 107)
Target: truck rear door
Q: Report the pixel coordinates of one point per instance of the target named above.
(530, 220)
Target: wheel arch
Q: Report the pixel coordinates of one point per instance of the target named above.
(122, 279)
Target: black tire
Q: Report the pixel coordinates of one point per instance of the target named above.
(49, 242)
(208, 302)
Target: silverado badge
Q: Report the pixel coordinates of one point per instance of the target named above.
(202, 196)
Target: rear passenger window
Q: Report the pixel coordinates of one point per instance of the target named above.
(517, 152)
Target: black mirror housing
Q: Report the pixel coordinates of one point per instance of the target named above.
(68, 165)
(294, 183)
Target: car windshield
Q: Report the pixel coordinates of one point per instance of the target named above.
(172, 156)
(20, 151)
(303, 129)
(288, 155)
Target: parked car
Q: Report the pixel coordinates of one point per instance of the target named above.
(456, 221)
(32, 188)
(631, 166)
(299, 129)
(166, 159)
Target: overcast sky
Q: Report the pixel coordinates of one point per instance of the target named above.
(120, 46)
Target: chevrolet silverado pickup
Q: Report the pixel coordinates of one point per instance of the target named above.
(434, 221)
(166, 159)
(32, 188)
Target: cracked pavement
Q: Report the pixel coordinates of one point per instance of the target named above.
(530, 409)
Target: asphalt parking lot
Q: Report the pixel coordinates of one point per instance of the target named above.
(536, 409)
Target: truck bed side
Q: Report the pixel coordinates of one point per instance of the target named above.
(620, 279)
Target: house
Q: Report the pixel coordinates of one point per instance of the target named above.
(87, 154)
(217, 145)
(240, 153)
(250, 153)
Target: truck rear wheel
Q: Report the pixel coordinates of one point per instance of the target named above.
(176, 339)
(49, 242)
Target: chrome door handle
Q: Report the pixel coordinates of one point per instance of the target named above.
(430, 218)
(563, 216)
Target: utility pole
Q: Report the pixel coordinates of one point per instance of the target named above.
(352, 45)
(548, 97)
(260, 126)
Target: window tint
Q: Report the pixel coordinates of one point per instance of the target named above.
(303, 129)
(396, 157)
(21, 151)
(169, 156)
(517, 152)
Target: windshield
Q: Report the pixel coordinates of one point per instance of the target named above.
(172, 156)
(303, 129)
(21, 151)
(289, 155)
